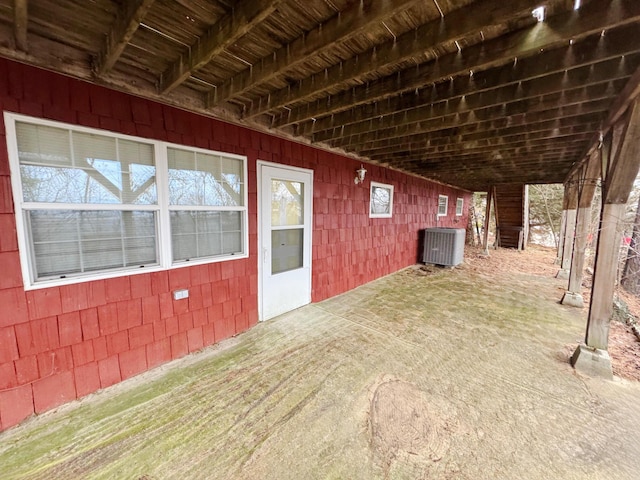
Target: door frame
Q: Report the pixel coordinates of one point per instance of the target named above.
(260, 252)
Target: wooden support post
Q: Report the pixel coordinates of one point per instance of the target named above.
(573, 295)
(525, 218)
(570, 205)
(604, 276)
(494, 193)
(487, 216)
(20, 21)
(588, 180)
(563, 226)
(619, 174)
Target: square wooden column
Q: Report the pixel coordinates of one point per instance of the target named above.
(563, 225)
(587, 181)
(570, 205)
(620, 163)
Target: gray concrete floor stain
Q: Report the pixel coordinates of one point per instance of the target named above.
(448, 374)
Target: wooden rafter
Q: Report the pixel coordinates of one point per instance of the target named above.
(348, 23)
(509, 147)
(501, 138)
(552, 65)
(237, 23)
(436, 34)
(626, 159)
(126, 23)
(526, 123)
(457, 116)
(556, 31)
(449, 116)
(629, 94)
(20, 22)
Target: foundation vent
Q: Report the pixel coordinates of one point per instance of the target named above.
(443, 246)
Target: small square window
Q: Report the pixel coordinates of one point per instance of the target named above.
(459, 206)
(443, 205)
(381, 205)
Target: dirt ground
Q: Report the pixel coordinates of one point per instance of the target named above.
(624, 347)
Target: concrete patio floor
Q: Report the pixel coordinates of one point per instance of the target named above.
(447, 374)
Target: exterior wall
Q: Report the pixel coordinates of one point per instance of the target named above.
(61, 343)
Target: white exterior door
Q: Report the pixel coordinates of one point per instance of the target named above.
(285, 222)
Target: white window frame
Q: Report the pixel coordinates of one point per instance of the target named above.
(459, 206)
(446, 205)
(162, 208)
(384, 186)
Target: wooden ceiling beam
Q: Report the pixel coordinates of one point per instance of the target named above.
(127, 22)
(629, 93)
(623, 168)
(587, 84)
(509, 152)
(20, 23)
(454, 26)
(451, 166)
(504, 147)
(357, 18)
(593, 50)
(550, 34)
(524, 122)
(494, 112)
(244, 16)
(502, 137)
(544, 161)
(537, 171)
(472, 179)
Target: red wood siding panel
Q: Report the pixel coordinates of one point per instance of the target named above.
(65, 342)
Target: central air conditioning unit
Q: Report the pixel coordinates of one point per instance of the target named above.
(443, 246)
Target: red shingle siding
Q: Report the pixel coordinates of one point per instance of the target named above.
(60, 343)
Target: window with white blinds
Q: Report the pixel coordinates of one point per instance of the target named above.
(93, 204)
(443, 205)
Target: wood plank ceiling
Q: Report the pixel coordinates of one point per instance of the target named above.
(467, 92)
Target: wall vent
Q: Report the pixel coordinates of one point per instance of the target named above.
(443, 246)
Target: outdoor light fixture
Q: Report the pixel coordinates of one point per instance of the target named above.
(360, 173)
(538, 14)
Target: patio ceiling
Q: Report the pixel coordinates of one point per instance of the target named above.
(467, 92)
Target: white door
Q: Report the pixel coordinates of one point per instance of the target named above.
(285, 223)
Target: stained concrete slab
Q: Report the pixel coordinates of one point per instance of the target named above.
(438, 374)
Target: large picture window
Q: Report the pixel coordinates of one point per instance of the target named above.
(93, 204)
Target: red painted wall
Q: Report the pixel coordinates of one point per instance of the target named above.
(61, 343)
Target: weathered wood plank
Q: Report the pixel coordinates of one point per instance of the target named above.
(470, 124)
(587, 181)
(514, 152)
(20, 23)
(502, 137)
(487, 216)
(517, 113)
(575, 86)
(453, 27)
(604, 276)
(592, 50)
(353, 21)
(626, 163)
(557, 30)
(508, 151)
(127, 22)
(244, 16)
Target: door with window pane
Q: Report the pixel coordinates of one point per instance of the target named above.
(285, 238)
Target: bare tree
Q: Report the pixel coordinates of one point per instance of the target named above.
(630, 280)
